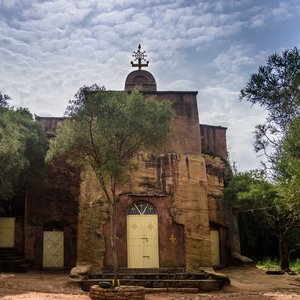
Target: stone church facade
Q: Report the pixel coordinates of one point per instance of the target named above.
(171, 213)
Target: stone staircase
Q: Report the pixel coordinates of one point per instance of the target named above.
(10, 261)
(162, 281)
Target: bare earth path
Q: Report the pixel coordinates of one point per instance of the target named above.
(246, 284)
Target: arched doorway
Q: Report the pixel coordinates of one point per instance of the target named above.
(142, 236)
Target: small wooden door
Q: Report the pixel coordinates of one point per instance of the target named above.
(215, 247)
(7, 232)
(142, 236)
(53, 249)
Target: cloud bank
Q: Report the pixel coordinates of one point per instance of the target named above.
(49, 49)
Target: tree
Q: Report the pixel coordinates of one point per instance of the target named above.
(22, 148)
(275, 87)
(4, 100)
(251, 193)
(288, 173)
(105, 130)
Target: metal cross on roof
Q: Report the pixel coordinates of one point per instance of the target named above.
(139, 56)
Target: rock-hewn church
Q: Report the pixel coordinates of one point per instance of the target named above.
(170, 215)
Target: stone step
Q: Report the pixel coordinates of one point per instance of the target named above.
(19, 266)
(162, 276)
(205, 285)
(10, 261)
(142, 270)
(11, 257)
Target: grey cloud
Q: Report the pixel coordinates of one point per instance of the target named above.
(49, 49)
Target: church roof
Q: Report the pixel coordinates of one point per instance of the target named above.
(141, 78)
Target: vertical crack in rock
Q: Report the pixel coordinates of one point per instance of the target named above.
(187, 166)
(158, 170)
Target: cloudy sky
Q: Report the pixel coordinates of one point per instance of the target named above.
(49, 49)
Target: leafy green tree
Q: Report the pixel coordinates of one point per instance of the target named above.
(22, 148)
(275, 87)
(251, 193)
(288, 173)
(105, 130)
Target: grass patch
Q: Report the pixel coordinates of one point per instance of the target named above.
(295, 265)
(270, 263)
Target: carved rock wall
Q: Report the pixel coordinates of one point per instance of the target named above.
(217, 173)
(52, 204)
(182, 177)
(93, 215)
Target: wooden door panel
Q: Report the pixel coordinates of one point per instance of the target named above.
(215, 247)
(7, 232)
(53, 249)
(142, 241)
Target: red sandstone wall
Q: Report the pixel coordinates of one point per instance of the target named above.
(213, 140)
(52, 203)
(176, 185)
(170, 254)
(185, 137)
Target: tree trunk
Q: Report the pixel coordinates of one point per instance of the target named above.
(283, 252)
(113, 237)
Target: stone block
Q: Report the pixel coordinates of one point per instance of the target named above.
(80, 272)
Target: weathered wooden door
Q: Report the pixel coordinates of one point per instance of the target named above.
(53, 249)
(7, 232)
(215, 247)
(142, 236)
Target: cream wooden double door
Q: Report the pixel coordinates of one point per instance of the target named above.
(7, 232)
(142, 236)
(53, 249)
(215, 247)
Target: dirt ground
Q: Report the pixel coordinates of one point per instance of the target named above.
(247, 283)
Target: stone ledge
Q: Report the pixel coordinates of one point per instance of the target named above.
(118, 293)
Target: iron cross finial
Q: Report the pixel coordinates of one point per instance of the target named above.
(139, 56)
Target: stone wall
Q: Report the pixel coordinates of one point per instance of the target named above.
(52, 204)
(213, 140)
(185, 136)
(118, 293)
(19, 235)
(93, 215)
(177, 178)
(217, 174)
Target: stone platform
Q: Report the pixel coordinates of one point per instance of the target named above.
(118, 293)
(198, 282)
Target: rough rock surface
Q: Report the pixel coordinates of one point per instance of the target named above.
(183, 177)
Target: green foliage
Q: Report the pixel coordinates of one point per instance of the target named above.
(266, 211)
(295, 265)
(105, 131)
(4, 100)
(108, 128)
(252, 196)
(77, 104)
(269, 263)
(288, 170)
(250, 190)
(22, 147)
(275, 87)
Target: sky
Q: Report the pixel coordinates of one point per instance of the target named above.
(49, 49)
